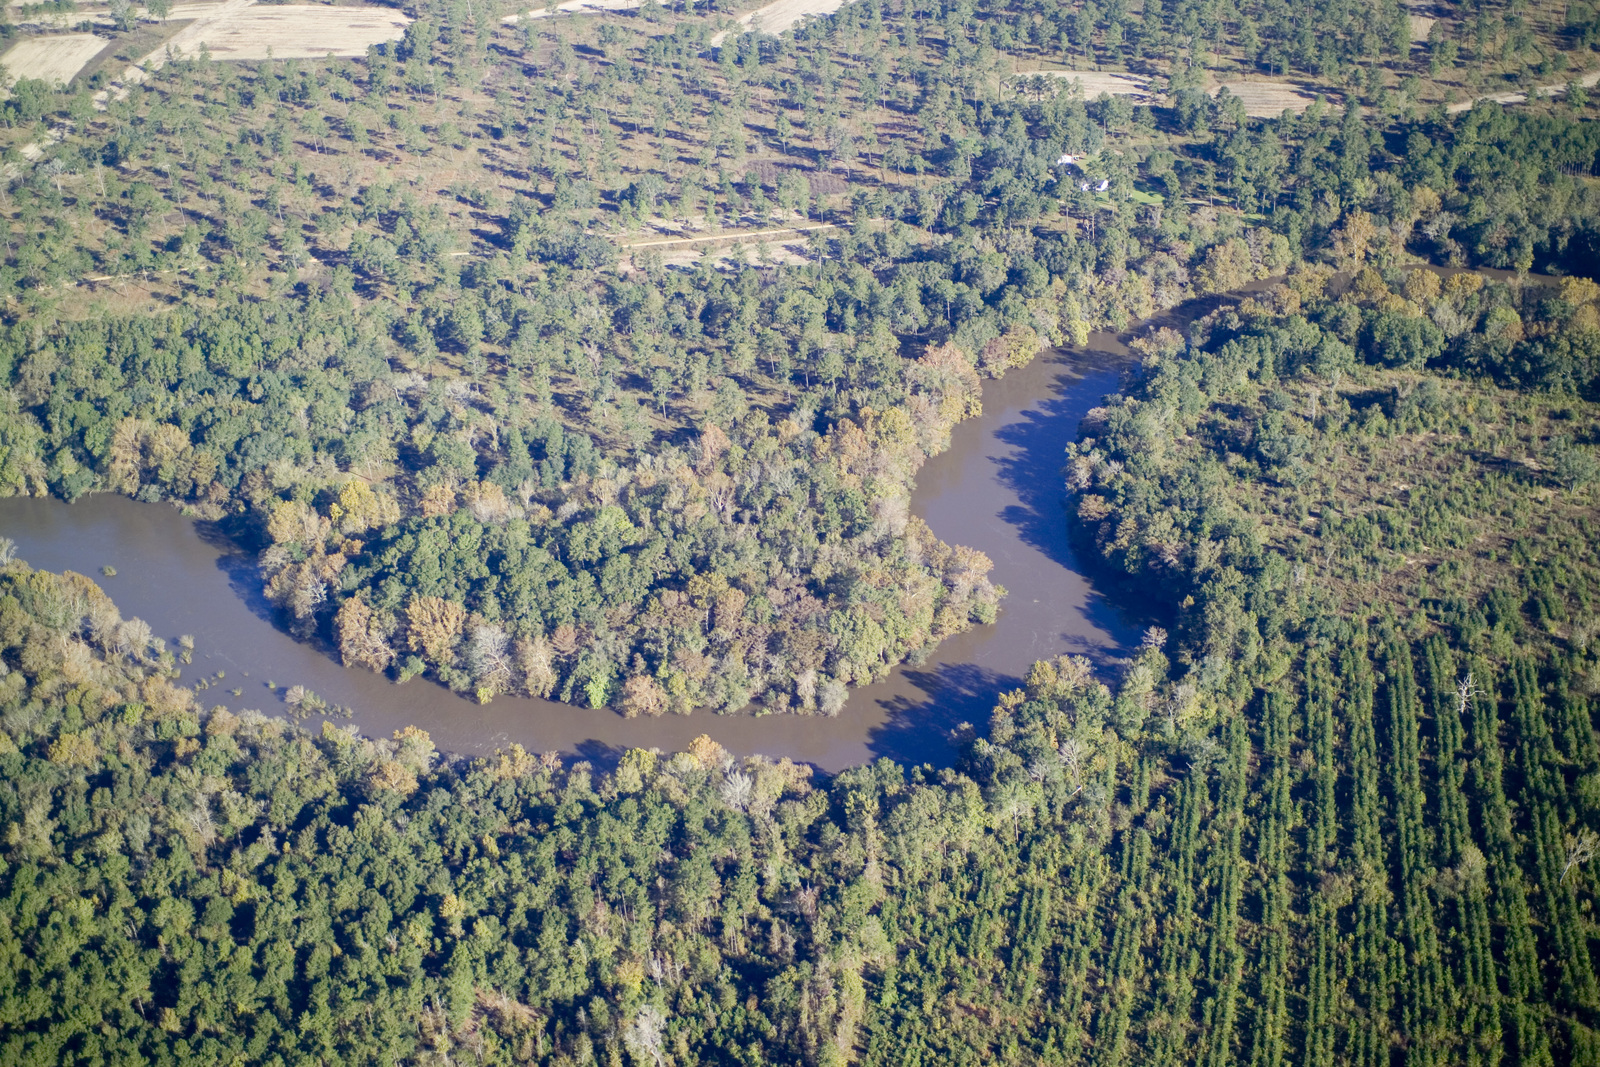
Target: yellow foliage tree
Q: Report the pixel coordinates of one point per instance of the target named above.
(536, 661)
(295, 523)
(395, 777)
(707, 752)
(1227, 266)
(361, 508)
(74, 749)
(438, 501)
(433, 626)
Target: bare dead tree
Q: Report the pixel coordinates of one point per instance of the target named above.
(1580, 849)
(1466, 692)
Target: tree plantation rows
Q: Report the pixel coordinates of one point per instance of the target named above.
(1431, 800)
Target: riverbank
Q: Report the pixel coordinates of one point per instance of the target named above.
(997, 489)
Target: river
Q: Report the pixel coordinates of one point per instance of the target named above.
(997, 488)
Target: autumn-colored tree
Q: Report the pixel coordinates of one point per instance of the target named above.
(1014, 348)
(713, 443)
(438, 500)
(487, 502)
(393, 776)
(293, 522)
(642, 695)
(364, 635)
(360, 508)
(1422, 287)
(125, 457)
(1353, 240)
(433, 626)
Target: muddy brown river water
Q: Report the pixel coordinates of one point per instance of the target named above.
(998, 488)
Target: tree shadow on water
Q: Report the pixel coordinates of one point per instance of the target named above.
(238, 564)
(601, 756)
(1032, 468)
(920, 729)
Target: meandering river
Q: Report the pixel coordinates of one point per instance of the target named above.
(998, 488)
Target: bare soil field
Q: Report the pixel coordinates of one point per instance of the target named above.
(781, 15)
(56, 58)
(299, 31)
(1421, 26)
(1268, 99)
(1096, 82)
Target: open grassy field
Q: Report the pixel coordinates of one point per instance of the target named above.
(55, 58)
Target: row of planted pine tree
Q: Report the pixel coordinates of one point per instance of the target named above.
(1382, 862)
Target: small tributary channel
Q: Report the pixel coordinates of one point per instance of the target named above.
(998, 488)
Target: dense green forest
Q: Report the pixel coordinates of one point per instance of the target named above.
(473, 435)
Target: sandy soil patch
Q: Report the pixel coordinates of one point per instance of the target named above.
(298, 31)
(781, 15)
(1268, 100)
(1421, 26)
(54, 59)
(573, 7)
(1553, 89)
(1096, 82)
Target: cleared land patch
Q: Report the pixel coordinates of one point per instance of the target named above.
(776, 17)
(1268, 99)
(1588, 81)
(55, 59)
(300, 31)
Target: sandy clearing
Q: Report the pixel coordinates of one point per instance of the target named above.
(54, 59)
(781, 15)
(792, 254)
(573, 7)
(1587, 81)
(299, 32)
(1095, 82)
(1268, 100)
(1421, 26)
(210, 10)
